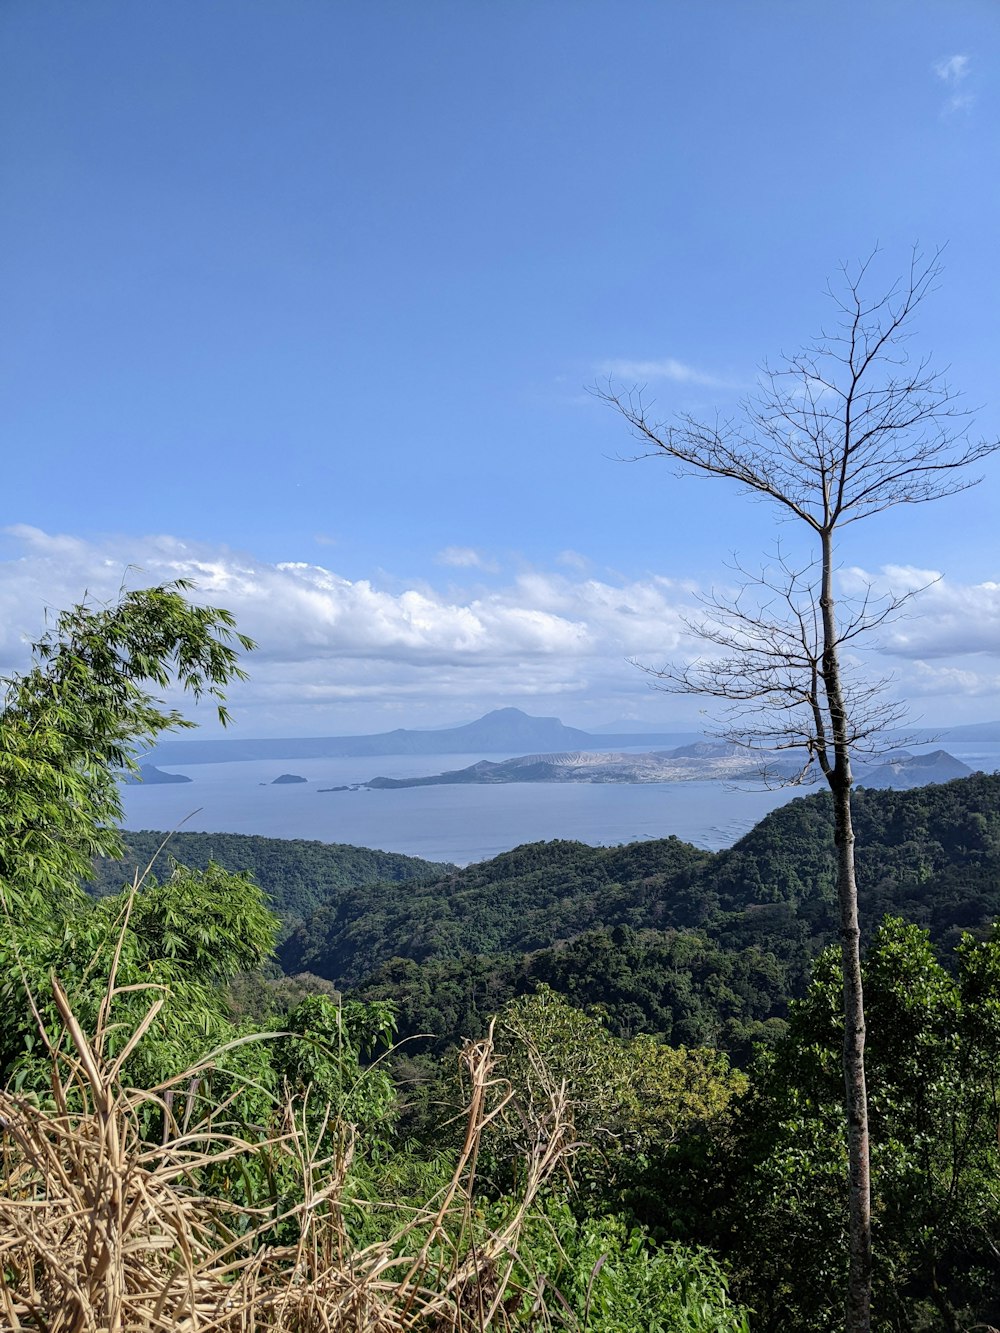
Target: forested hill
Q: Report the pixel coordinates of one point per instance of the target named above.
(534, 896)
(692, 945)
(931, 855)
(298, 875)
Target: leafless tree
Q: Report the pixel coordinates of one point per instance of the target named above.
(844, 430)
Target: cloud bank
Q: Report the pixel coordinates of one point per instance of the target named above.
(337, 654)
(358, 647)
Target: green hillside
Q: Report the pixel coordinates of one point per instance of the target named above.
(524, 900)
(297, 875)
(692, 946)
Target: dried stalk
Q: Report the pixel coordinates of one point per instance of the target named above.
(102, 1232)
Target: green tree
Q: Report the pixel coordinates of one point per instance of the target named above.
(146, 972)
(932, 1062)
(70, 726)
(72, 723)
(611, 1279)
(630, 1098)
(174, 945)
(320, 1056)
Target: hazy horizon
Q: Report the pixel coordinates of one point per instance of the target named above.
(626, 725)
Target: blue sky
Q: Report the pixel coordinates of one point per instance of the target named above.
(303, 298)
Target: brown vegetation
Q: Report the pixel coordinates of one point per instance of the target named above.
(102, 1231)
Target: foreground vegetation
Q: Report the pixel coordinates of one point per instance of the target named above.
(554, 1173)
(626, 1110)
(166, 1165)
(173, 1160)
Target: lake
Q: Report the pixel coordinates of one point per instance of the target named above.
(451, 823)
(454, 823)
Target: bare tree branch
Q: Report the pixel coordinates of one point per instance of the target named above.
(844, 430)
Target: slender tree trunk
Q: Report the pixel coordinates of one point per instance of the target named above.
(840, 778)
(855, 1091)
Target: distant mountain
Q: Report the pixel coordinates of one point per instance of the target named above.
(968, 731)
(503, 730)
(707, 750)
(971, 731)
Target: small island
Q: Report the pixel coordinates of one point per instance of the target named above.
(287, 778)
(150, 776)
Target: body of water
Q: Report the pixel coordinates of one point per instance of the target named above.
(454, 823)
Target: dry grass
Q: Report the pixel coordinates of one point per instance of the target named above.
(103, 1232)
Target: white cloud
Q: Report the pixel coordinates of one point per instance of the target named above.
(324, 639)
(927, 678)
(948, 620)
(952, 69)
(467, 557)
(953, 72)
(944, 618)
(668, 368)
(574, 560)
(900, 580)
(340, 654)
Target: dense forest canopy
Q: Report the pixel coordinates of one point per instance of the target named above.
(693, 946)
(673, 940)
